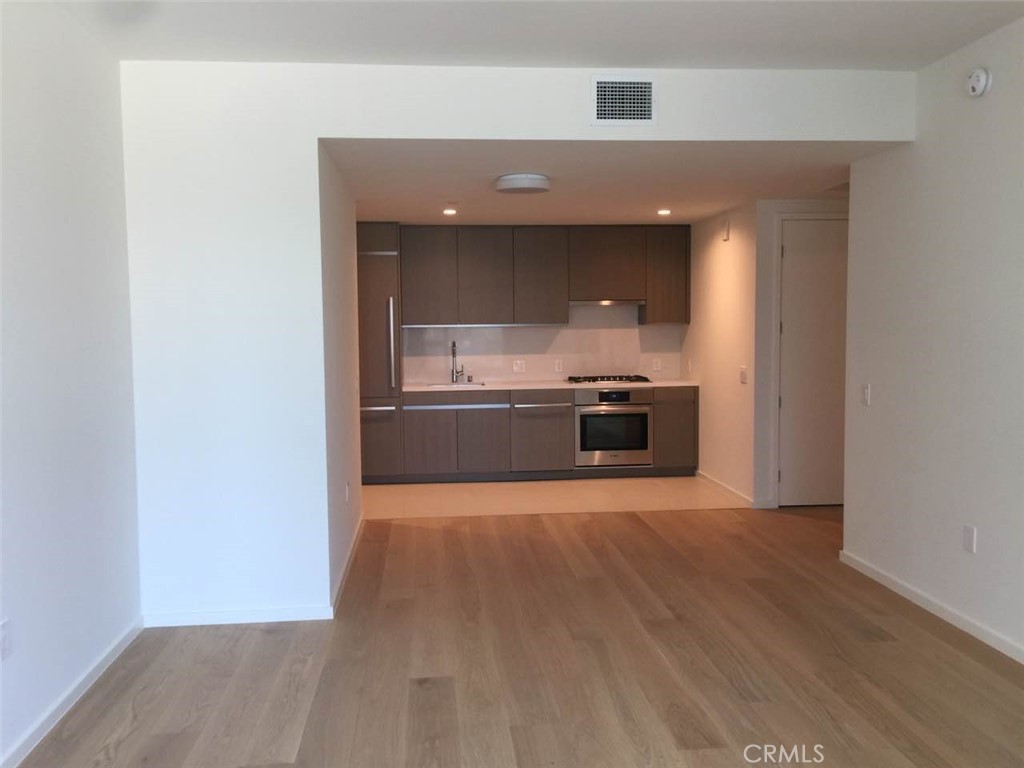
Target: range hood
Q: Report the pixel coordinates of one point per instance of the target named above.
(609, 303)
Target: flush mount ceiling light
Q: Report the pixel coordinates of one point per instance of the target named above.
(522, 183)
(664, 212)
(449, 211)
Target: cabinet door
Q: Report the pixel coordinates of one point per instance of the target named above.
(542, 430)
(542, 275)
(675, 426)
(380, 424)
(483, 438)
(607, 263)
(430, 276)
(485, 275)
(380, 343)
(668, 275)
(377, 237)
(430, 441)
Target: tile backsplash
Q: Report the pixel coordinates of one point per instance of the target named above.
(597, 340)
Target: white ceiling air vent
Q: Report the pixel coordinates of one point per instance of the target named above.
(623, 101)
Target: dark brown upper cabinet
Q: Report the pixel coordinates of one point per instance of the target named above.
(485, 270)
(607, 263)
(380, 319)
(377, 237)
(668, 275)
(541, 275)
(430, 276)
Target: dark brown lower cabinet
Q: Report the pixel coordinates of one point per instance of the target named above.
(451, 432)
(380, 423)
(542, 430)
(483, 438)
(675, 426)
(430, 439)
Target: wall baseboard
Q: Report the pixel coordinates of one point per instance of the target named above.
(716, 481)
(254, 616)
(336, 588)
(23, 746)
(987, 635)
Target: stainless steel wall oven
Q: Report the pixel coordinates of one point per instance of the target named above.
(614, 427)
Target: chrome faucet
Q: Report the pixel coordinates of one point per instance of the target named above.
(456, 371)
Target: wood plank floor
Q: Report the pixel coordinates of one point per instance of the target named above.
(554, 641)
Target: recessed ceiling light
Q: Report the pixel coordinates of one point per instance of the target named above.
(522, 183)
(449, 211)
(664, 212)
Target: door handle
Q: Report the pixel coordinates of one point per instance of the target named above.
(391, 338)
(377, 408)
(542, 405)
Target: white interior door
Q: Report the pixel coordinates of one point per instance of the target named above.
(812, 361)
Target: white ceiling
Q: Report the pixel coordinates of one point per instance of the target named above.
(593, 181)
(622, 182)
(864, 34)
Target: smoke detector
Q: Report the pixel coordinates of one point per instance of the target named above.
(979, 82)
(521, 183)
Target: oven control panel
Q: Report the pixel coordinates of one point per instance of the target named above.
(614, 396)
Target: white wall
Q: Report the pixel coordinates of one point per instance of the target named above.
(720, 340)
(224, 248)
(936, 312)
(70, 553)
(341, 366)
(224, 245)
(596, 340)
(735, 322)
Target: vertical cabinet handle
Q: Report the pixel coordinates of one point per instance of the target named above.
(391, 338)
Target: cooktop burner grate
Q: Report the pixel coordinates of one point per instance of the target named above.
(632, 378)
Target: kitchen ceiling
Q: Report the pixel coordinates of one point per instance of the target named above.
(624, 182)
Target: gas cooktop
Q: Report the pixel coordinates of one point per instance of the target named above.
(632, 378)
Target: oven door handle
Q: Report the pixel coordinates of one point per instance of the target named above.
(608, 410)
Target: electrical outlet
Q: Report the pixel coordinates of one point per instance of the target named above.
(865, 394)
(558, 366)
(346, 491)
(743, 374)
(5, 638)
(656, 364)
(518, 366)
(970, 539)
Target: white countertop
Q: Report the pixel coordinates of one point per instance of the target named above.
(419, 386)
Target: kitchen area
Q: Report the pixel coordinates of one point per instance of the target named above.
(497, 353)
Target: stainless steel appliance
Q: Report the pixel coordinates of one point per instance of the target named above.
(614, 427)
(631, 378)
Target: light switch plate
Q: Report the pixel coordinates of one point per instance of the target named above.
(558, 366)
(865, 394)
(970, 539)
(5, 638)
(518, 366)
(656, 364)
(743, 374)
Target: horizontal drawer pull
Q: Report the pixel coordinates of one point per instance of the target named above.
(378, 408)
(458, 407)
(542, 405)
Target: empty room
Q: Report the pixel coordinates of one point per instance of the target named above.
(512, 384)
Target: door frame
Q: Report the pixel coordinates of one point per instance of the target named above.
(770, 499)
